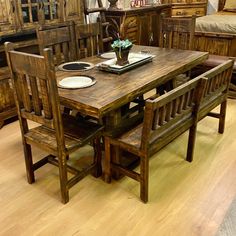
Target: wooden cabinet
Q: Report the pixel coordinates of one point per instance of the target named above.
(8, 21)
(20, 15)
(18, 19)
(187, 8)
(140, 25)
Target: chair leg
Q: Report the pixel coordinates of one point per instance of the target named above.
(144, 175)
(29, 163)
(97, 157)
(221, 127)
(63, 178)
(191, 143)
(107, 163)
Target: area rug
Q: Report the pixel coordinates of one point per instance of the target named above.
(228, 226)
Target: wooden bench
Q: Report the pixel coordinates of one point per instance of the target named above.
(165, 118)
(168, 116)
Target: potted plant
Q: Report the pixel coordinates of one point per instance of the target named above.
(122, 48)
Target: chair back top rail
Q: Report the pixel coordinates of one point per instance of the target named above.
(174, 108)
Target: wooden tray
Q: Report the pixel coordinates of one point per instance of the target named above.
(135, 59)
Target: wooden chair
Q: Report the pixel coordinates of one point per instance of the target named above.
(37, 99)
(61, 39)
(165, 118)
(177, 32)
(216, 92)
(88, 39)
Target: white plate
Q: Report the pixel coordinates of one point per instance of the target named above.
(74, 82)
(108, 55)
(78, 66)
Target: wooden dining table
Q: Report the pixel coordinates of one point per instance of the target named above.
(111, 92)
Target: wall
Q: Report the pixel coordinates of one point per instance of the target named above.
(212, 6)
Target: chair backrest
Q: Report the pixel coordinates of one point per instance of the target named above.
(171, 114)
(88, 39)
(217, 86)
(177, 32)
(61, 39)
(36, 92)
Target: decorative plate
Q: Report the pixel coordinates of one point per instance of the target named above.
(76, 66)
(108, 55)
(75, 82)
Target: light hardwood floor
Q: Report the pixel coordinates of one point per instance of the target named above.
(185, 198)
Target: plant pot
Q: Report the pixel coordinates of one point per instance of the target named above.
(122, 57)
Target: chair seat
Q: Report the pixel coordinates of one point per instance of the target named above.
(76, 134)
(132, 138)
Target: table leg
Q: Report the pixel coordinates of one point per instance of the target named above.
(112, 120)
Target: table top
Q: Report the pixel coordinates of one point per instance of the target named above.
(112, 90)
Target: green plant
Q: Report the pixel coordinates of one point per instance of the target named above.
(121, 45)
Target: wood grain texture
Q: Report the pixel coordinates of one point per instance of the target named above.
(37, 100)
(228, 226)
(185, 199)
(113, 91)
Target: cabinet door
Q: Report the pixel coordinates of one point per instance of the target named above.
(7, 15)
(51, 11)
(32, 12)
(72, 10)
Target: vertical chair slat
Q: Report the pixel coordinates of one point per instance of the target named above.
(47, 108)
(35, 95)
(25, 93)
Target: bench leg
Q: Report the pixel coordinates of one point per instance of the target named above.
(191, 143)
(144, 173)
(222, 117)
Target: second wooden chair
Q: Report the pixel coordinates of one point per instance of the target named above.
(61, 39)
(88, 39)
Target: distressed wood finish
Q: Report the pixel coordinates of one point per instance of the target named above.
(88, 39)
(61, 39)
(177, 32)
(165, 118)
(7, 103)
(216, 92)
(187, 8)
(140, 25)
(37, 99)
(18, 16)
(112, 91)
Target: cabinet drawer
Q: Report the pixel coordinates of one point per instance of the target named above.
(198, 11)
(199, 1)
(181, 1)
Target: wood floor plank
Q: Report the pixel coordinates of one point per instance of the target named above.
(185, 198)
